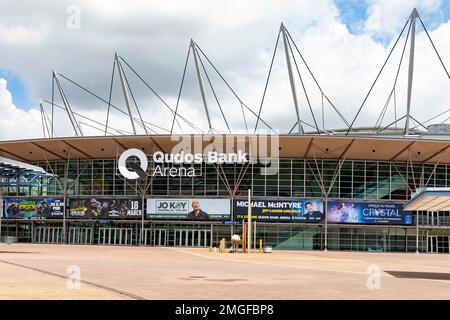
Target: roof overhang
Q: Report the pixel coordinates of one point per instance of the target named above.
(430, 199)
(17, 173)
(290, 146)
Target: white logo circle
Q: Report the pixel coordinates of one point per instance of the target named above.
(123, 160)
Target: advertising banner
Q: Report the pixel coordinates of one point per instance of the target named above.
(298, 210)
(367, 212)
(189, 209)
(33, 208)
(106, 208)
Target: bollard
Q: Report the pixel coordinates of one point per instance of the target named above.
(260, 246)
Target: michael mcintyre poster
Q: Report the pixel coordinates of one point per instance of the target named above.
(295, 210)
(367, 213)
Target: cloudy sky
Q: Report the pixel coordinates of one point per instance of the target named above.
(344, 43)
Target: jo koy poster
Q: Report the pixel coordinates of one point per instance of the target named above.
(188, 209)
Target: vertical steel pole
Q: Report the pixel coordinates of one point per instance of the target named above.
(64, 218)
(325, 209)
(1, 211)
(125, 90)
(249, 222)
(417, 232)
(291, 76)
(414, 15)
(200, 82)
(254, 235)
(142, 219)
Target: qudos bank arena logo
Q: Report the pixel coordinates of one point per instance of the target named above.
(259, 149)
(140, 171)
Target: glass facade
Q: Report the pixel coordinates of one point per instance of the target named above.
(355, 180)
(364, 180)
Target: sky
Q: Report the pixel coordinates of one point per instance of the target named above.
(344, 43)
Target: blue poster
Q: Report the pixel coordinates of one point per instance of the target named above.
(368, 213)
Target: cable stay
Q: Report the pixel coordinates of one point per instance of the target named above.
(161, 99)
(411, 34)
(378, 75)
(243, 105)
(323, 95)
(120, 132)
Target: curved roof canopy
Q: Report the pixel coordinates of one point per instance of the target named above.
(415, 149)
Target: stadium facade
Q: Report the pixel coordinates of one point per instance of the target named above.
(372, 178)
(381, 188)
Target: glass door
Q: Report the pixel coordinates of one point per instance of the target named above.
(432, 244)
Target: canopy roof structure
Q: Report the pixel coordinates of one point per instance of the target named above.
(430, 199)
(15, 173)
(289, 146)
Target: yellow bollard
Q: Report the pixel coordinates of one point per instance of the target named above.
(260, 245)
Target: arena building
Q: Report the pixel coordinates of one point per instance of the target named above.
(382, 188)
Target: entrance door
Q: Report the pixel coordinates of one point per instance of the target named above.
(48, 235)
(78, 235)
(147, 237)
(192, 238)
(159, 237)
(115, 236)
(432, 244)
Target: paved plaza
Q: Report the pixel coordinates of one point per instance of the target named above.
(37, 271)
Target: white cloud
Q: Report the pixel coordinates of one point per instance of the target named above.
(386, 17)
(239, 38)
(16, 123)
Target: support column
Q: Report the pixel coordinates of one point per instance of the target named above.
(73, 120)
(142, 219)
(414, 15)
(125, 90)
(200, 83)
(249, 222)
(291, 76)
(325, 209)
(64, 220)
(417, 232)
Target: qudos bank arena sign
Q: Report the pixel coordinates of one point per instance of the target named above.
(190, 152)
(161, 159)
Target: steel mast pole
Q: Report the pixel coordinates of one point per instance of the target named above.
(125, 90)
(291, 76)
(73, 120)
(414, 16)
(200, 83)
(249, 222)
